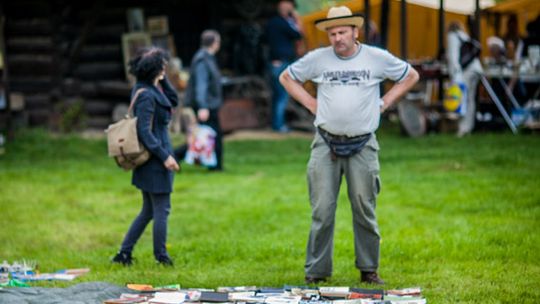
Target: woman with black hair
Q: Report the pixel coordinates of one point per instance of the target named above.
(154, 102)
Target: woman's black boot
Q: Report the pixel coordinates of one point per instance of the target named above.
(123, 258)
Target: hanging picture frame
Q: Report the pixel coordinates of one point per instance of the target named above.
(131, 44)
(157, 25)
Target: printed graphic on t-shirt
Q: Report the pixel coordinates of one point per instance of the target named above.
(346, 77)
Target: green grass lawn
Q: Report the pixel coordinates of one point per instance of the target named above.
(458, 217)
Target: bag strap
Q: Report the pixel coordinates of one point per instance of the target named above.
(132, 103)
(471, 40)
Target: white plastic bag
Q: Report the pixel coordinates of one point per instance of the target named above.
(201, 146)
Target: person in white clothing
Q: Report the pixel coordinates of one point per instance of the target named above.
(469, 74)
(347, 109)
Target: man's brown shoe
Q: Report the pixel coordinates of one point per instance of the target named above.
(313, 280)
(371, 278)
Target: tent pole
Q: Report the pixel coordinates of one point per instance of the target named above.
(366, 20)
(476, 33)
(441, 30)
(385, 11)
(4, 79)
(403, 20)
(440, 55)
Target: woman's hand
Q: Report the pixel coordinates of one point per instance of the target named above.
(171, 164)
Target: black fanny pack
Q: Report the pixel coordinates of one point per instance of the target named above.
(344, 146)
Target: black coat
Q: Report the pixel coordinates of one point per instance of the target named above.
(153, 111)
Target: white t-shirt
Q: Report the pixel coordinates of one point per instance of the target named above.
(348, 97)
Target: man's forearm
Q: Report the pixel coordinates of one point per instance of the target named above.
(297, 91)
(399, 89)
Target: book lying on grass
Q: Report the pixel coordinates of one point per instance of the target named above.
(283, 299)
(411, 295)
(215, 297)
(170, 297)
(368, 301)
(128, 298)
(291, 287)
(30, 276)
(361, 301)
(413, 291)
(273, 290)
(267, 295)
(334, 292)
(236, 289)
(241, 296)
(150, 288)
(75, 272)
(405, 299)
(306, 294)
(353, 301)
(247, 298)
(315, 302)
(27, 271)
(362, 293)
(140, 287)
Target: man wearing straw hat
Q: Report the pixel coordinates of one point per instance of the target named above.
(347, 112)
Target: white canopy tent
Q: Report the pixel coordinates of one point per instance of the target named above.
(465, 7)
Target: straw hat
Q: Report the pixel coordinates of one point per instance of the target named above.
(339, 15)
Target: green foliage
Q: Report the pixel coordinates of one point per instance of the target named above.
(310, 6)
(458, 217)
(70, 116)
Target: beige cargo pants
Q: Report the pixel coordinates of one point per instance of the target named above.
(361, 172)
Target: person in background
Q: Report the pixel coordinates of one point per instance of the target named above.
(154, 102)
(497, 51)
(374, 37)
(512, 39)
(531, 42)
(533, 36)
(204, 91)
(498, 61)
(347, 112)
(514, 45)
(470, 74)
(282, 31)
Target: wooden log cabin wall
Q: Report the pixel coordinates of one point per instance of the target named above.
(65, 57)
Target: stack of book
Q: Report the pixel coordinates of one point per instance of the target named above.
(253, 295)
(28, 271)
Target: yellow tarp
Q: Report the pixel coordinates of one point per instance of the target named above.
(423, 24)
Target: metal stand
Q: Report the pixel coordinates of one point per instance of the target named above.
(498, 103)
(509, 93)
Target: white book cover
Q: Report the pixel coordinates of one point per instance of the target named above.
(240, 296)
(283, 299)
(333, 289)
(168, 298)
(405, 301)
(368, 301)
(405, 291)
(351, 301)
